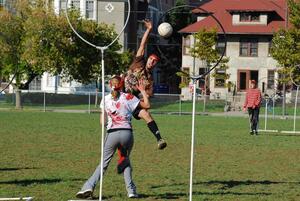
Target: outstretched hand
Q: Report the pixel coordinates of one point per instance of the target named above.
(148, 24)
(141, 86)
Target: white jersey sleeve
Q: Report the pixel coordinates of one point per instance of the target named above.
(132, 102)
(107, 97)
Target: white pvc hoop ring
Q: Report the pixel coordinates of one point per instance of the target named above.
(296, 101)
(91, 44)
(102, 48)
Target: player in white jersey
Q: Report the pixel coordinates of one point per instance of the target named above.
(118, 108)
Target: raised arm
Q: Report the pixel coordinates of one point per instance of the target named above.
(141, 50)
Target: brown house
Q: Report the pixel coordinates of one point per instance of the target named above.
(249, 26)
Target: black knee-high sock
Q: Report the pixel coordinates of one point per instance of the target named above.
(154, 129)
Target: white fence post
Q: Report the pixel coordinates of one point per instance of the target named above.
(89, 102)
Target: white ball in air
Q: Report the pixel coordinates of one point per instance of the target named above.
(165, 29)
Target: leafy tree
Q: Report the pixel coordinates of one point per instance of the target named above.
(59, 51)
(12, 29)
(286, 47)
(180, 17)
(204, 49)
(286, 42)
(34, 40)
(86, 66)
(294, 13)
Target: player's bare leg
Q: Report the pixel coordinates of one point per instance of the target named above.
(144, 114)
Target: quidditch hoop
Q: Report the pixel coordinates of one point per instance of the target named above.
(220, 25)
(94, 45)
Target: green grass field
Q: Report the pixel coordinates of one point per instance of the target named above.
(50, 155)
(174, 106)
(211, 106)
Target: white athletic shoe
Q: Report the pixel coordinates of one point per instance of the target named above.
(161, 144)
(133, 195)
(83, 194)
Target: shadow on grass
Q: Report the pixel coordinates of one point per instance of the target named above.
(165, 196)
(180, 195)
(16, 169)
(97, 198)
(232, 193)
(28, 182)
(233, 183)
(222, 190)
(281, 134)
(229, 184)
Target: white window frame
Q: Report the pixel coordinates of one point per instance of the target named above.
(90, 9)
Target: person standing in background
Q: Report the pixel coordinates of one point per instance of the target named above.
(252, 104)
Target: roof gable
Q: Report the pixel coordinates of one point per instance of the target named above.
(223, 10)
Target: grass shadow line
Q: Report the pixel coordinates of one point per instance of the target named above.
(228, 184)
(28, 182)
(180, 195)
(281, 134)
(16, 169)
(234, 183)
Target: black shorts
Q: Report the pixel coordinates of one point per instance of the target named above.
(136, 112)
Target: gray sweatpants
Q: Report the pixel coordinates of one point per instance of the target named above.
(114, 140)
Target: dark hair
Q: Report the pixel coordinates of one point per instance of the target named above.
(155, 56)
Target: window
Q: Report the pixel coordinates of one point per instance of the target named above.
(269, 48)
(89, 9)
(62, 5)
(50, 82)
(271, 78)
(249, 47)
(202, 81)
(220, 78)
(249, 17)
(186, 45)
(2, 3)
(58, 81)
(75, 4)
(220, 46)
(35, 84)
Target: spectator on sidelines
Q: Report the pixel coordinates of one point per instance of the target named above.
(252, 104)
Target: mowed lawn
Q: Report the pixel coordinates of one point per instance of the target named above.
(50, 155)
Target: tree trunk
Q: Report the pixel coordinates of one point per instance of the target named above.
(18, 99)
(96, 98)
